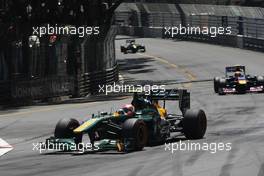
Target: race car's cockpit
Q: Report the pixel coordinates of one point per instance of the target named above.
(235, 71)
(143, 101)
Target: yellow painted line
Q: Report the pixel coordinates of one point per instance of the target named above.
(156, 58)
(174, 66)
(190, 76)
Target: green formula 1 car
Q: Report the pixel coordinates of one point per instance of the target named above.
(126, 131)
(132, 47)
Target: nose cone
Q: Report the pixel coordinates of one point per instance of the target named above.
(242, 82)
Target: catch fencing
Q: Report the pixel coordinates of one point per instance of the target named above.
(150, 19)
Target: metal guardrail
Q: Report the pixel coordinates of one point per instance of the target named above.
(253, 44)
(19, 92)
(23, 91)
(90, 82)
(42, 88)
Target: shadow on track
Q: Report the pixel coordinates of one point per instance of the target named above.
(135, 65)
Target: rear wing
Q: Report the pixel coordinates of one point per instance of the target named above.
(130, 41)
(181, 95)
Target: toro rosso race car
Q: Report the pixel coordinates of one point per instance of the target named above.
(237, 81)
(132, 47)
(143, 122)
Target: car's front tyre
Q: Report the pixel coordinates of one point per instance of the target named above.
(136, 130)
(216, 84)
(64, 129)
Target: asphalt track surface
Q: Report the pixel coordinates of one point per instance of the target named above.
(236, 119)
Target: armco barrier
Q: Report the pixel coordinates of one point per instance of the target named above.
(253, 44)
(151, 32)
(42, 88)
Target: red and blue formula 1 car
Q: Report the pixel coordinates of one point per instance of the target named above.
(237, 81)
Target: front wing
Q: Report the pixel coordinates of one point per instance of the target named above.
(253, 89)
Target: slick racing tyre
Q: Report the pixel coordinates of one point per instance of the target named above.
(122, 48)
(194, 124)
(216, 84)
(64, 129)
(222, 82)
(260, 80)
(143, 49)
(136, 130)
(221, 85)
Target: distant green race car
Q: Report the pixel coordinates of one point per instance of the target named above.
(132, 47)
(126, 131)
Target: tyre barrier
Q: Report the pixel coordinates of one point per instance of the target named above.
(90, 83)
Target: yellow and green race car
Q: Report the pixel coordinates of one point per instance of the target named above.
(132, 129)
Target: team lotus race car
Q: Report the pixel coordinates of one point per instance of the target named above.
(132, 47)
(143, 122)
(237, 81)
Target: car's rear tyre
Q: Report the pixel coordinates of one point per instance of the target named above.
(216, 84)
(194, 124)
(137, 130)
(64, 129)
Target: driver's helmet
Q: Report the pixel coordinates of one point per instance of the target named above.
(121, 112)
(237, 74)
(129, 109)
(147, 102)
